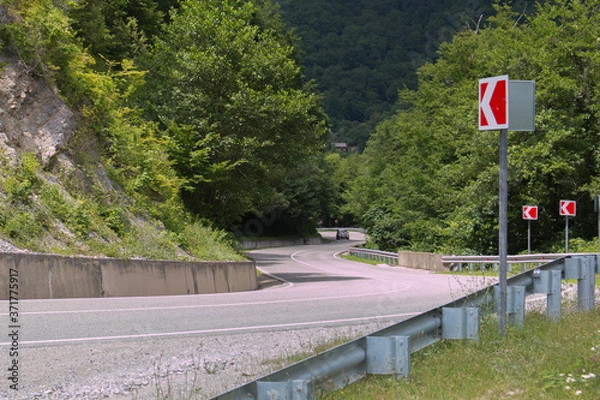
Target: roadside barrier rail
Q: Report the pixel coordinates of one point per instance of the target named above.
(456, 263)
(381, 256)
(387, 351)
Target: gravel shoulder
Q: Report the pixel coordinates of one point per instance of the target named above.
(180, 368)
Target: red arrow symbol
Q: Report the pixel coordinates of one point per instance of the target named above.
(498, 102)
(530, 213)
(493, 103)
(567, 208)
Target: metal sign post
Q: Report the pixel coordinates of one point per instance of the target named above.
(567, 234)
(528, 236)
(503, 234)
(504, 105)
(568, 208)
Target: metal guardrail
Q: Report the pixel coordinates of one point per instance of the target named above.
(527, 261)
(457, 262)
(387, 351)
(333, 229)
(382, 256)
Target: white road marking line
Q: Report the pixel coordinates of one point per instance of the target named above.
(207, 331)
(199, 306)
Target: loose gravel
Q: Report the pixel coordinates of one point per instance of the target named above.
(175, 368)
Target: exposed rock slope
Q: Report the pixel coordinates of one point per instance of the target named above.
(32, 116)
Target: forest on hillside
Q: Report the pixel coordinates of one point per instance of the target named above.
(197, 110)
(361, 53)
(216, 113)
(428, 179)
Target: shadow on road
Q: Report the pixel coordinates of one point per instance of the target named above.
(312, 277)
(269, 259)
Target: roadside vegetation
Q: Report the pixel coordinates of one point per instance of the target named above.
(192, 124)
(158, 167)
(360, 53)
(553, 360)
(428, 179)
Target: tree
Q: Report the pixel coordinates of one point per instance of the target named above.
(362, 52)
(430, 171)
(226, 86)
(118, 29)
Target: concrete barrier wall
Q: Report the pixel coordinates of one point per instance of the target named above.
(266, 243)
(414, 259)
(44, 276)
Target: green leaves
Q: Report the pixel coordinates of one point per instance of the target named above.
(430, 168)
(228, 91)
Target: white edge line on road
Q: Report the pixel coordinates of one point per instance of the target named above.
(288, 284)
(207, 331)
(200, 306)
(164, 308)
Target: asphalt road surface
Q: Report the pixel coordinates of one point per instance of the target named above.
(319, 288)
(94, 348)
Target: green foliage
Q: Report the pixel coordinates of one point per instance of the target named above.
(229, 93)
(436, 177)
(302, 200)
(137, 153)
(23, 180)
(544, 359)
(93, 216)
(44, 39)
(579, 245)
(208, 244)
(21, 226)
(362, 52)
(116, 29)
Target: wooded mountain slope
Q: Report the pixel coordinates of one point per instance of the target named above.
(200, 117)
(428, 178)
(361, 52)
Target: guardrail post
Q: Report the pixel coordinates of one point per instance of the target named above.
(515, 304)
(587, 286)
(584, 270)
(388, 355)
(460, 323)
(549, 282)
(290, 390)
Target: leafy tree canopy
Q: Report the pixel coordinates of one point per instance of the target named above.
(361, 52)
(224, 82)
(118, 29)
(430, 177)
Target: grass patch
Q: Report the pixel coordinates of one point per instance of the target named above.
(359, 259)
(73, 213)
(542, 360)
(488, 270)
(317, 348)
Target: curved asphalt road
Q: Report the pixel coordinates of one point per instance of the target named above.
(320, 289)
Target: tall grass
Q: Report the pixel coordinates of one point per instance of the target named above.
(544, 359)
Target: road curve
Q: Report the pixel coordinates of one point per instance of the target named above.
(319, 289)
(117, 347)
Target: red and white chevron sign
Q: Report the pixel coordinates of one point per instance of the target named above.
(530, 213)
(493, 103)
(568, 208)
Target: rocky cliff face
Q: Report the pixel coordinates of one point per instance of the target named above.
(32, 117)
